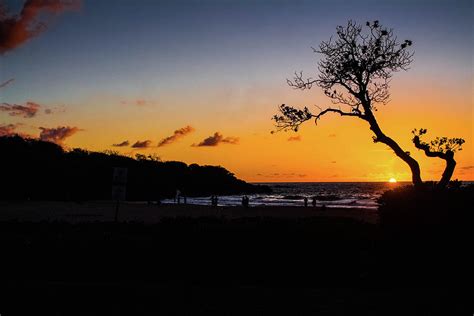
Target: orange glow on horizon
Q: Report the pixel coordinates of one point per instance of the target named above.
(338, 149)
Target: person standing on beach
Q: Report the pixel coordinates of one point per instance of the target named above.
(314, 201)
(305, 201)
(178, 196)
(214, 200)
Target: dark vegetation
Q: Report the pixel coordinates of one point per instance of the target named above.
(38, 170)
(428, 210)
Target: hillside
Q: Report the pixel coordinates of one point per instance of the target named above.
(38, 170)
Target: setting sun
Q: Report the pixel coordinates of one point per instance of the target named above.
(392, 180)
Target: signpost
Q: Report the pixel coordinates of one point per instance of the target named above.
(119, 187)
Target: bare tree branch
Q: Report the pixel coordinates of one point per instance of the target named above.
(328, 110)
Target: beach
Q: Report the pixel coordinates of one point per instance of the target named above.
(142, 212)
(188, 259)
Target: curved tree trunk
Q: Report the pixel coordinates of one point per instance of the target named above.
(446, 156)
(448, 171)
(405, 156)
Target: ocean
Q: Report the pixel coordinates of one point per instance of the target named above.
(331, 194)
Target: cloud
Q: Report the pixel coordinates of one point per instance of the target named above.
(11, 129)
(217, 139)
(57, 135)
(284, 175)
(125, 143)
(296, 138)
(8, 129)
(143, 144)
(6, 83)
(57, 109)
(467, 168)
(15, 30)
(28, 110)
(138, 102)
(332, 135)
(176, 135)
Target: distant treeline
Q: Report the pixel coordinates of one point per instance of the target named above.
(38, 170)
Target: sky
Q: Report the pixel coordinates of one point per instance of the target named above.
(198, 82)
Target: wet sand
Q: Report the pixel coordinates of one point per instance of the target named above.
(104, 211)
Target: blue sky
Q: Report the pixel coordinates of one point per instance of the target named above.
(134, 45)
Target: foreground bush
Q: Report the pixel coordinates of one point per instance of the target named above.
(427, 209)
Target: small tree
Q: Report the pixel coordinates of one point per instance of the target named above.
(443, 148)
(355, 72)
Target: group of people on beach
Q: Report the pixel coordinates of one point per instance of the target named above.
(245, 200)
(313, 202)
(177, 197)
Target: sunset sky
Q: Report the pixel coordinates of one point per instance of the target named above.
(198, 81)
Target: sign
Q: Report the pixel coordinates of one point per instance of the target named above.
(119, 181)
(119, 192)
(120, 176)
(119, 189)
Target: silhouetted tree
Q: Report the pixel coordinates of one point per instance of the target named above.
(441, 147)
(355, 72)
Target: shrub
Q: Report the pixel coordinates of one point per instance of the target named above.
(426, 209)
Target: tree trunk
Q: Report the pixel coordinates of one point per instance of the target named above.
(405, 156)
(448, 171)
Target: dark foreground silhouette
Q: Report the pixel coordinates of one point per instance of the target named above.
(38, 170)
(246, 266)
(417, 261)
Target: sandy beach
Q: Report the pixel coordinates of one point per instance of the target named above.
(104, 211)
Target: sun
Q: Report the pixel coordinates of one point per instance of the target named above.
(392, 180)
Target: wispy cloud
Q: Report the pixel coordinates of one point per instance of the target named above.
(140, 102)
(217, 139)
(283, 175)
(54, 110)
(15, 30)
(125, 143)
(176, 135)
(142, 144)
(27, 111)
(332, 135)
(296, 138)
(58, 134)
(137, 102)
(6, 83)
